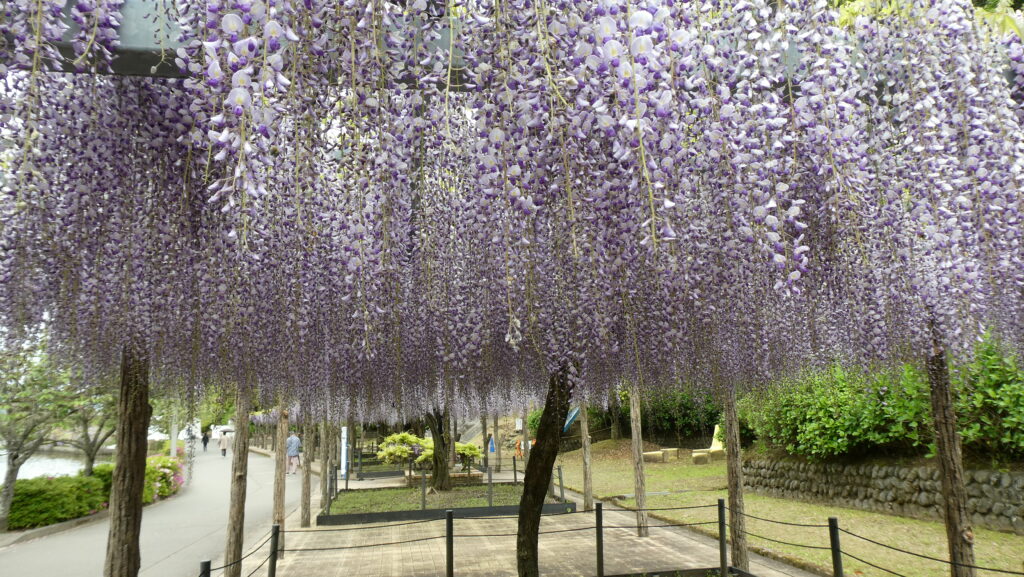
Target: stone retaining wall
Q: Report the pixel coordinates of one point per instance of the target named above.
(995, 499)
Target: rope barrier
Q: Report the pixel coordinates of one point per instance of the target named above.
(787, 543)
(936, 559)
(360, 528)
(661, 526)
(781, 522)
(671, 508)
(367, 546)
(251, 553)
(870, 564)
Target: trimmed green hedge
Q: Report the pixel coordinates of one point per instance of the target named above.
(48, 500)
(839, 412)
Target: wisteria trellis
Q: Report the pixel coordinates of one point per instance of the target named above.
(331, 204)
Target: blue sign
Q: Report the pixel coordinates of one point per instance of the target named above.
(490, 448)
(571, 419)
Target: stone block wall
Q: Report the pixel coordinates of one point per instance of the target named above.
(995, 499)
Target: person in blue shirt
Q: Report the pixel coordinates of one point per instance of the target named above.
(292, 446)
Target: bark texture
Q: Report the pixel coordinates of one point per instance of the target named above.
(613, 409)
(304, 515)
(325, 463)
(959, 533)
(123, 558)
(538, 472)
(588, 478)
(280, 466)
(436, 421)
(483, 428)
(639, 480)
(7, 495)
(734, 466)
(239, 486)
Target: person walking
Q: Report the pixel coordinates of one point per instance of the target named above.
(292, 445)
(223, 443)
(206, 440)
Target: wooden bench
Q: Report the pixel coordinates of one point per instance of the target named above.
(670, 454)
(654, 457)
(715, 452)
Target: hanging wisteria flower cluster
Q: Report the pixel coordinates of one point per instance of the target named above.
(376, 207)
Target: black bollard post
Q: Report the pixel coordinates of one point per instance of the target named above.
(275, 533)
(722, 548)
(423, 491)
(561, 484)
(449, 543)
(837, 552)
(204, 569)
(515, 472)
(599, 529)
(490, 488)
(360, 474)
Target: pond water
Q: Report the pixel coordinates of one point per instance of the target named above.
(49, 464)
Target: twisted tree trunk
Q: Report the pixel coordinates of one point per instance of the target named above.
(123, 557)
(304, 515)
(280, 466)
(441, 479)
(325, 463)
(637, 444)
(734, 466)
(959, 533)
(538, 472)
(239, 486)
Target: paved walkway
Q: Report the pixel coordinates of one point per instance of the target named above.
(486, 548)
(176, 534)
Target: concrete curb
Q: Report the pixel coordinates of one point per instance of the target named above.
(9, 539)
(13, 538)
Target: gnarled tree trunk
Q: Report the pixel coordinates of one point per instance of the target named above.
(436, 421)
(959, 533)
(538, 472)
(325, 463)
(637, 444)
(280, 466)
(123, 557)
(239, 478)
(307, 434)
(734, 466)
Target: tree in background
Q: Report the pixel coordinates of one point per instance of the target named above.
(94, 421)
(34, 397)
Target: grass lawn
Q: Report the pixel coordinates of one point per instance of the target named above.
(403, 499)
(704, 485)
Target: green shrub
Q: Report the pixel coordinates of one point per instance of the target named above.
(163, 478)
(398, 447)
(105, 473)
(48, 500)
(990, 402)
(839, 412)
(533, 422)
